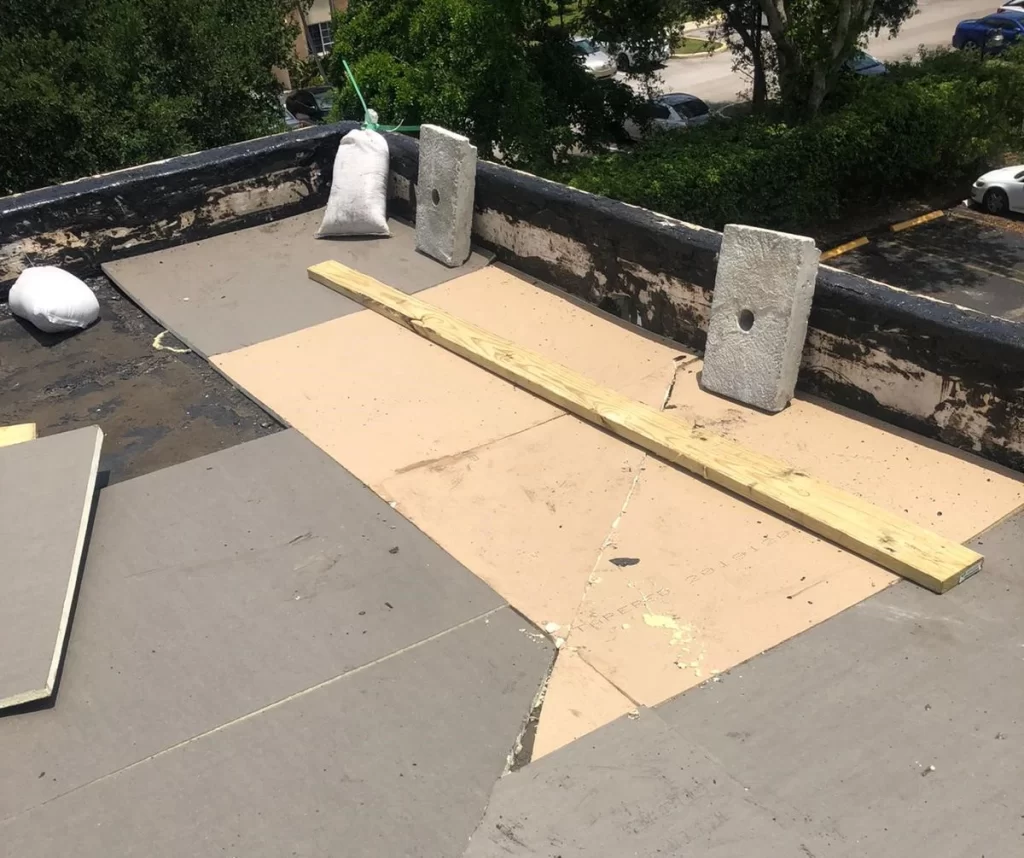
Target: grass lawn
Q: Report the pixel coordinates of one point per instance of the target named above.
(570, 13)
(687, 45)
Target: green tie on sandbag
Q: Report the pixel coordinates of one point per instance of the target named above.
(370, 116)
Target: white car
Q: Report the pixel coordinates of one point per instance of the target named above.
(676, 111)
(1011, 6)
(627, 55)
(864, 64)
(596, 61)
(1000, 191)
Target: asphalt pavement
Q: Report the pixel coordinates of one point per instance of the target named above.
(713, 78)
(967, 258)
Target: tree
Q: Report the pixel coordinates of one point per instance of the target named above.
(96, 85)
(814, 39)
(800, 45)
(640, 23)
(500, 71)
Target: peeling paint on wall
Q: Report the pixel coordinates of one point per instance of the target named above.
(399, 187)
(527, 241)
(874, 372)
(236, 201)
(93, 220)
(659, 294)
(223, 207)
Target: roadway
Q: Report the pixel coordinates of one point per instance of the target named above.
(713, 78)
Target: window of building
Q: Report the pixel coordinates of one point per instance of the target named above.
(321, 40)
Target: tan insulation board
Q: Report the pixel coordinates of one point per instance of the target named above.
(539, 504)
(46, 497)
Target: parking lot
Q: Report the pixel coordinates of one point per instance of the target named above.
(964, 257)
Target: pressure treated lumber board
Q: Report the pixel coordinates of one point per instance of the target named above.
(17, 433)
(894, 543)
(46, 495)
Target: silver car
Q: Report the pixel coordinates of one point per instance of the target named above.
(675, 111)
(596, 61)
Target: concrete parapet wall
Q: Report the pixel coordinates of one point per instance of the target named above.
(946, 372)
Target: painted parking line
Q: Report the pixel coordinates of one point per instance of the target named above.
(916, 221)
(844, 248)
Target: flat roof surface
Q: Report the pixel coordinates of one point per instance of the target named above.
(267, 659)
(339, 637)
(224, 293)
(156, 407)
(653, 579)
(892, 729)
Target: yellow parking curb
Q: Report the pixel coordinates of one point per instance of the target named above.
(916, 221)
(844, 248)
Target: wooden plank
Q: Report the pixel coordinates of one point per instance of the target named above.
(894, 543)
(17, 433)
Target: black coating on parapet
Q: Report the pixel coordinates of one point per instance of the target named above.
(81, 224)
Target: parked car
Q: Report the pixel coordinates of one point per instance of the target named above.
(1000, 191)
(1011, 6)
(676, 111)
(291, 122)
(863, 63)
(990, 34)
(596, 61)
(629, 54)
(313, 104)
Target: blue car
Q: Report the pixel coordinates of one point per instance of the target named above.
(991, 34)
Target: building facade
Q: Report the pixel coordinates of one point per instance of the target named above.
(315, 37)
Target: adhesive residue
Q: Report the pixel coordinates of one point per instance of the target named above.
(682, 637)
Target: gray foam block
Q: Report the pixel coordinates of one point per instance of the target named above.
(759, 311)
(46, 497)
(241, 288)
(219, 586)
(634, 787)
(837, 730)
(397, 759)
(446, 188)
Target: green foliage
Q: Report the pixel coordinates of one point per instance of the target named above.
(810, 40)
(96, 85)
(922, 126)
(642, 24)
(304, 72)
(495, 70)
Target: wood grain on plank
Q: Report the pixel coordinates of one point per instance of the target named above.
(845, 519)
(17, 433)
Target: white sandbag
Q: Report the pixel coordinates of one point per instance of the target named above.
(359, 187)
(53, 300)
